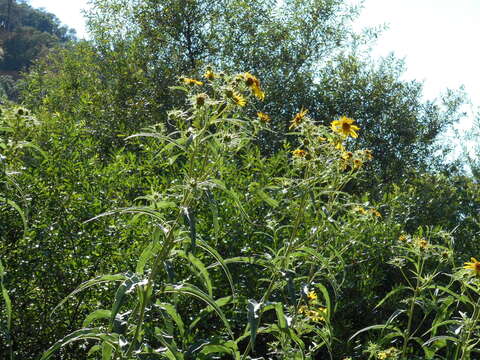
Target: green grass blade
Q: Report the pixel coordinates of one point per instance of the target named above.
(89, 283)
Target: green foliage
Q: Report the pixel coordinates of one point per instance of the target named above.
(52, 183)
(204, 228)
(231, 227)
(304, 51)
(270, 214)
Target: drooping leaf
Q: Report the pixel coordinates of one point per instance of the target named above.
(192, 290)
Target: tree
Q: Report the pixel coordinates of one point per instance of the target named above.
(304, 51)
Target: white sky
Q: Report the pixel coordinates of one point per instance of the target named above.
(437, 38)
(68, 11)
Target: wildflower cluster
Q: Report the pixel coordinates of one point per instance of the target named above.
(312, 310)
(423, 247)
(353, 160)
(390, 353)
(190, 81)
(297, 119)
(299, 153)
(421, 243)
(265, 118)
(210, 75)
(254, 85)
(232, 89)
(317, 142)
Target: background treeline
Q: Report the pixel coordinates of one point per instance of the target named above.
(64, 158)
(25, 35)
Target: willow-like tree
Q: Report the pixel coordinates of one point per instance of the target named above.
(304, 51)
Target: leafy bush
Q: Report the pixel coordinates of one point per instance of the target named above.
(216, 248)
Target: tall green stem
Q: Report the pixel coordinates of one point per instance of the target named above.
(412, 307)
(166, 248)
(475, 316)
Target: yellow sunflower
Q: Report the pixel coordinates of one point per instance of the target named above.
(303, 309)
(375, 212)
(474, 266)
(347, 155)
(344, 126)
(423, 244)
(403, 238)
(369, 154)
(357, 163)
(263, 117)
(189, 81)
(210, 75)
(297, 120)
(200, 99)
(390, 353)
(299, 153)
(318, 314)
(361, 210)
(312, 295)
(338, 145)
(238, 99)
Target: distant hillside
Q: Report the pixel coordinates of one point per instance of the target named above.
(26, 33)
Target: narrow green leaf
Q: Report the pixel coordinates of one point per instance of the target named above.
(390, 294)
(220, 302)
(374, 327)
(107, 351)
(172, 352)
(216, 348)
(214, 209)
(150, 251)
(440, 338)
(94, 349)
(326, 297)
(192, 290)
(190, 217)
(282, 319)
(81, 334)
(95, 315)
(98, 280)
(134, 210)
(6, 299)
(202, 244)
(203, 271)
(253, 316)
(172, 312)
(131, 282)
(265, 197)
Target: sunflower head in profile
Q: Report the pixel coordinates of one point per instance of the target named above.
(236, 97)
(254, 84)
(190, 81)
(263, 117)
(210, 75)
(299, 153)
(473, 266)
